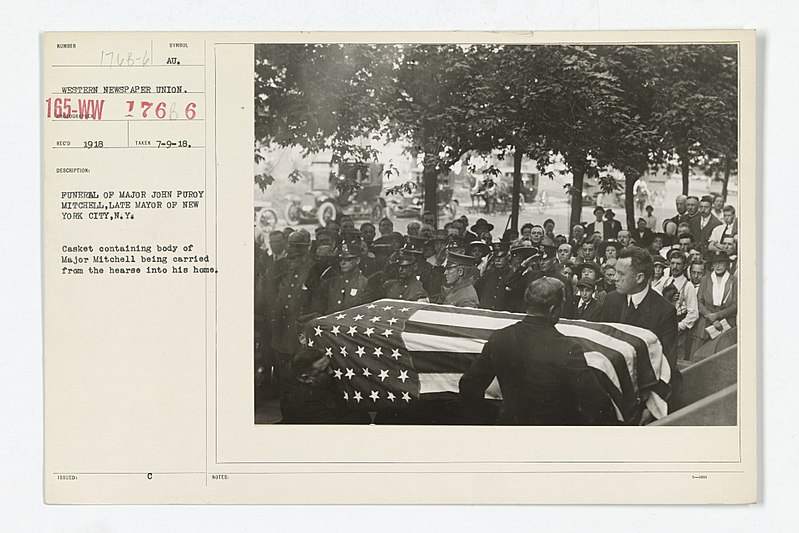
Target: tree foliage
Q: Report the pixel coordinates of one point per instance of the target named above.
(595, 108)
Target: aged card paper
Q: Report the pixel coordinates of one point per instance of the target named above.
(149, 304)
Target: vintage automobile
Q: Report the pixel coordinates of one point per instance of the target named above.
(324, 202)
(411, 205)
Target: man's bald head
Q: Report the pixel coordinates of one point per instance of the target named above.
(680, 203)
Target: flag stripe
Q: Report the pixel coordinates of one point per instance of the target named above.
(642, 340)
(442, 361)
(617, 362)
(449, 382)
(418, 342)
(449, 330)
(465, 321)
(654, 353)
(605, 340)
(615, 397)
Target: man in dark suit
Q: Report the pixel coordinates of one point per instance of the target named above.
(542, 374)
(609, 228)
(703, 224)
(634, 302)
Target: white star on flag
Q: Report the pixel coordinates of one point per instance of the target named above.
(369, 332)
(405, 396)
(334, 330)
(357, 397)
(395, 353)
(338, 373)
(388, 308)
(310, 344)
(360, 351)
(383, 375)
(371, 306)
(346, 396)
(329, 351)
(405, 309)
(390, 396)
(374, 319)
(317, 331)
(343, 351)
(357, 317)
(352, 331)
(366, 372)
(340, 316)
(378, 351)
(392, 321)
(374, 395)
(349, 373)
(387, 333)
(403, 375)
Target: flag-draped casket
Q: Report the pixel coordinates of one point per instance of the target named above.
(392, 353)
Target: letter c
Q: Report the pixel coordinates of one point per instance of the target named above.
(150, 475)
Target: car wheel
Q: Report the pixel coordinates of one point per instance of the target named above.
(326, 213)
(292, 214)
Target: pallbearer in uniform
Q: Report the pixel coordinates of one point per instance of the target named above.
(491, 287)
(346, 290)
(406, 287)
(458, 289)
(289, 297)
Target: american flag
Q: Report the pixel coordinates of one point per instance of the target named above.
(392, 353)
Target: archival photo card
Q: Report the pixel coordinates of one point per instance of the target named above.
(427, 262)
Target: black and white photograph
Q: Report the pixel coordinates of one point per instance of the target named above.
(458, 234)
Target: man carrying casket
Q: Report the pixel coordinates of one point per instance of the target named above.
(543, 375)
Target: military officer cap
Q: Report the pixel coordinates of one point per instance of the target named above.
(441, 235)
(548, 251)
(500, 248)
(415, 243)
(408, 257)
(478, 244)
(523, 249)
(382, 249)
(348, 251)
(455, 259)
(299, 242)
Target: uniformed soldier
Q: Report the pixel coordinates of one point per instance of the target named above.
(491, 286)
(524, 259)
(546, 266)
(290, 297)
(348, 289)
(458, 289)
(407, 286)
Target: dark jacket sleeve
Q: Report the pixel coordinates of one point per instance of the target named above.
(473, 385)
(668, 335)
(593, 403)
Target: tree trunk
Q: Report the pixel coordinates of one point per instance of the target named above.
(629, 199)
(517, 188)
(430, 186)
(726, 183)
(576, 196)
(685, 168)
